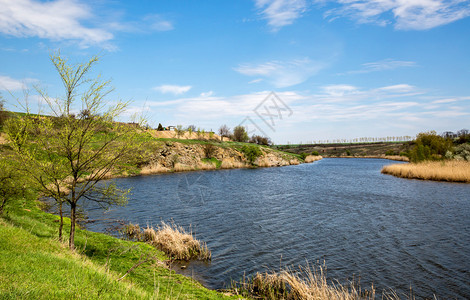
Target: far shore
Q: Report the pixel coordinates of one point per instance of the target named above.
(450, 171)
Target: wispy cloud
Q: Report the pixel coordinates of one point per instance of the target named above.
(407, 15)
(282, 73)
(54, 20)
(280, 13)
(382, 65)
(172, 89)
(147, 24)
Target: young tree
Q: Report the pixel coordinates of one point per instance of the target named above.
(68, 156)
(240, 134)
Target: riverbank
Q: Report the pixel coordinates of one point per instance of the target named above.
(34, 264)
(451, 171)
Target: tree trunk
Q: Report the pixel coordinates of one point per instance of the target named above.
(61, 222)
(73, 207)
(3, 204)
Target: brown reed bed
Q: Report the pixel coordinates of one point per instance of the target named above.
(450, 170)
(312, 158)
(171, 239)
(303, 283)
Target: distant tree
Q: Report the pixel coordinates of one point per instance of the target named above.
(260, 140)
(224, 131)
(68, 157)
(463, 136)
(240, 134)
(179, 131)
(191, 129)
(160, 127)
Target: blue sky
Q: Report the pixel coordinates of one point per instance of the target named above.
(340, 69)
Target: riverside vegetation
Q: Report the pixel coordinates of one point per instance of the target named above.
(434, 157)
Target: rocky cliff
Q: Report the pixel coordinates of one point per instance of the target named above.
(175, 156)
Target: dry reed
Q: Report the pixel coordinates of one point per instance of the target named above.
(454, 171)
(306, 283)
(176, 242)
(312, 158)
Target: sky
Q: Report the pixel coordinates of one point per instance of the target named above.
(297, 71)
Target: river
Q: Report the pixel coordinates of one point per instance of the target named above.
(392, 232)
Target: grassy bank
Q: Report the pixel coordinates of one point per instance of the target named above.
(453, 171)
(35, 265)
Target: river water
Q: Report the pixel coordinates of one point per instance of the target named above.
(392, 232)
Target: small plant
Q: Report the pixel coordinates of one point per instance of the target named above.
(303, 155)
(315, 153)
(348, 152)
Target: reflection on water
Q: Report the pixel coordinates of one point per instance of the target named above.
(393, 232)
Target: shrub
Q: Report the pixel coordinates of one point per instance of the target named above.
(160, 127)
(260, 140)
(303, 155)
(390, 152)
(251, 153)
(209, 150)
(315, 153)
(240, 134)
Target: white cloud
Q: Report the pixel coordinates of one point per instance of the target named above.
(172, 89)
(280, 13)
(54, 20)
(10, 84)
(407, 14)
(282, 73)
(158, 23)
(207, 94)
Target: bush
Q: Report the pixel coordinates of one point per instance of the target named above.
(160, 127)
(430, 146)
(315, 153)
(251, 153)
(209, 150)
(303, 155)
(390, 152)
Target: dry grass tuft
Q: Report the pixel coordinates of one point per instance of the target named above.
(182, 167)
(226, 164)
(176, 242)
(306, 283)
(132, 231)
(312, 158)
(454, 171)
(153, 169)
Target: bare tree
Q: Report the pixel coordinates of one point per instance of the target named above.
(224, 131)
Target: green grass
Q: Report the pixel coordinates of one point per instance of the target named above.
(214, 161)
(35, 265)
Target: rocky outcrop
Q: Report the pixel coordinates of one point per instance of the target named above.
(175, 156)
